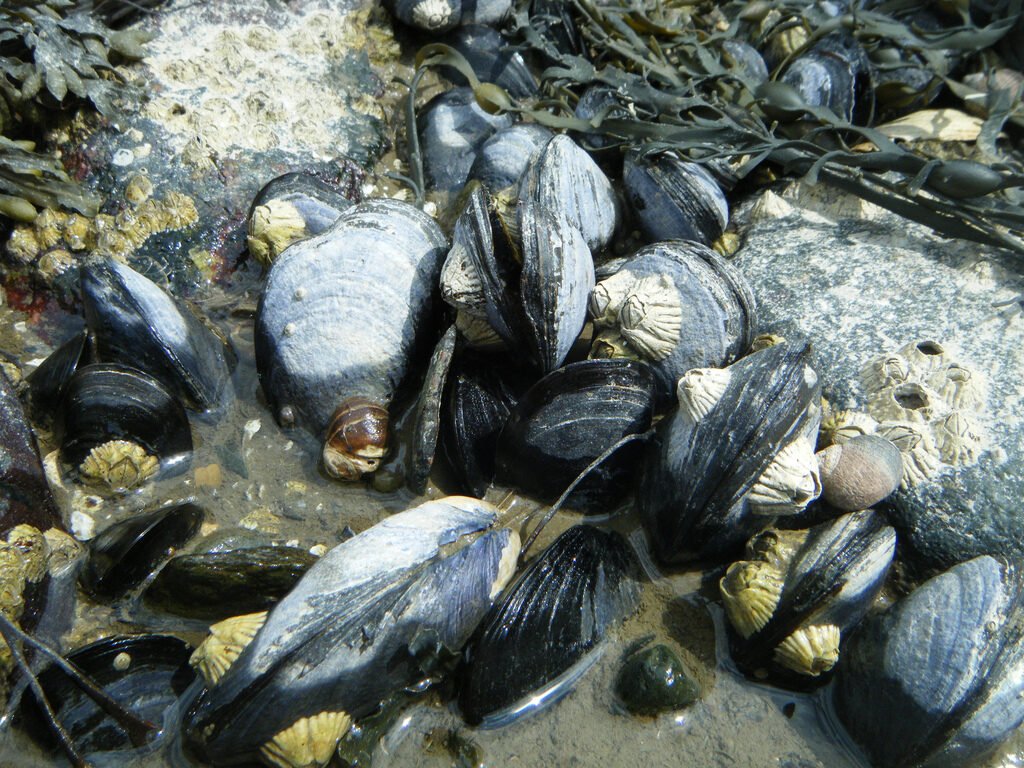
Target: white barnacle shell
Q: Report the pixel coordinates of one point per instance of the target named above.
(925, 355)
(461, 286)
(959, 386)
(810, 650)
(958, 438)
(699, 389)
(920, 455)
(790, 482)
(750, 592)
(227, 639)
(651, 317)
(433, 14)
(607, 297)
(841, 426)
(886, 371)
(307, 743)
(909, 401)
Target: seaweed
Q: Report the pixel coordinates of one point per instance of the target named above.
(668, 66)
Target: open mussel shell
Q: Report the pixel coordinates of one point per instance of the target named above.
(216, 585)
(676, 305)
(125, 554)
(25, 496)
(118, 425)
(492, 60)
(373, 616)
(708, 456)
(564, 181)
(834, 73)
(342, 316)
(541, 636)
(504, 157)
(135, 322)
(936, 679)
(480, 395)
(145, 674)
(452, 129)
(290, 208)
(826, 577)
(566, 421)
(46, 383)
(673, 199)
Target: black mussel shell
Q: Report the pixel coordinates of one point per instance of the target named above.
(145, 674)
(675, 200)
(306, 198)
(25, 496)
(834, 73)
(452, 128)
(743, 59)
(216, 585)
(492, 60)
(125, 554)
(46, 384)
(554, 22)
(598, 102)
(570, 418)
(833, 578)
(697, 474)
(480, 395)
(536, 642)
(936, 680)
(105, 402)
(373, 616)
(426, 423)
(135, 322)
(504, 157)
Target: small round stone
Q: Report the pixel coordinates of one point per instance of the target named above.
(859, 473)
(654, 680)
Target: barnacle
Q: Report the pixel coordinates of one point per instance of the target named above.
(227, 639)
(810, 650)
(750, 592)
(651, 317)
(700, 389)
(120, 464)
(920, 456)
(308, 743)
(790, 482)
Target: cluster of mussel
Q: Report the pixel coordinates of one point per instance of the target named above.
(574, 375)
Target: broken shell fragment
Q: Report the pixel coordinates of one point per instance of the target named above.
(860, 473)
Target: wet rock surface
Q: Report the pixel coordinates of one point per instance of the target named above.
(863, 284)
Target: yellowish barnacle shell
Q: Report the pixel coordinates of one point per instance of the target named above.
(309, 743)
(54, 263)
(810, 650)
(727, 244)
(12, 581)
(63, 550)
(958, 438)
(750, 592)
(49, 226)
(34, 550)
(925, 355)
(790, 482)
(841, 426)
(959, 386)
(227, 639)
(910, 401)
(765, 340)
(23, 245)
(776, 547)
(119, 464)
(138, 189)
(700, 389)
(78, 233)
(609, 344)
(272, 228)
(606, 298)
(651, 317)
(920, 455)
(179, 211)
(886, 371)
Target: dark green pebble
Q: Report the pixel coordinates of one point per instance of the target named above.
(654, 680)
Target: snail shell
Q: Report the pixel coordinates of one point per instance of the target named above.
(859, 473)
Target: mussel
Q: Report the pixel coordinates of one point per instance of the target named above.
(442, 15)
(569, 419)
(46, 383)
(738, 451)
(834, 73)
(936, 679)
(290, 208)
(676, 305)
(376, 614)
(504, 157)
(119, 426)
(340, 319)
(135, 322)
(492, 59)
(799, 592)
(545, 631)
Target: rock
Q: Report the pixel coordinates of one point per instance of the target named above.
(654, 680)
(920, 332)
